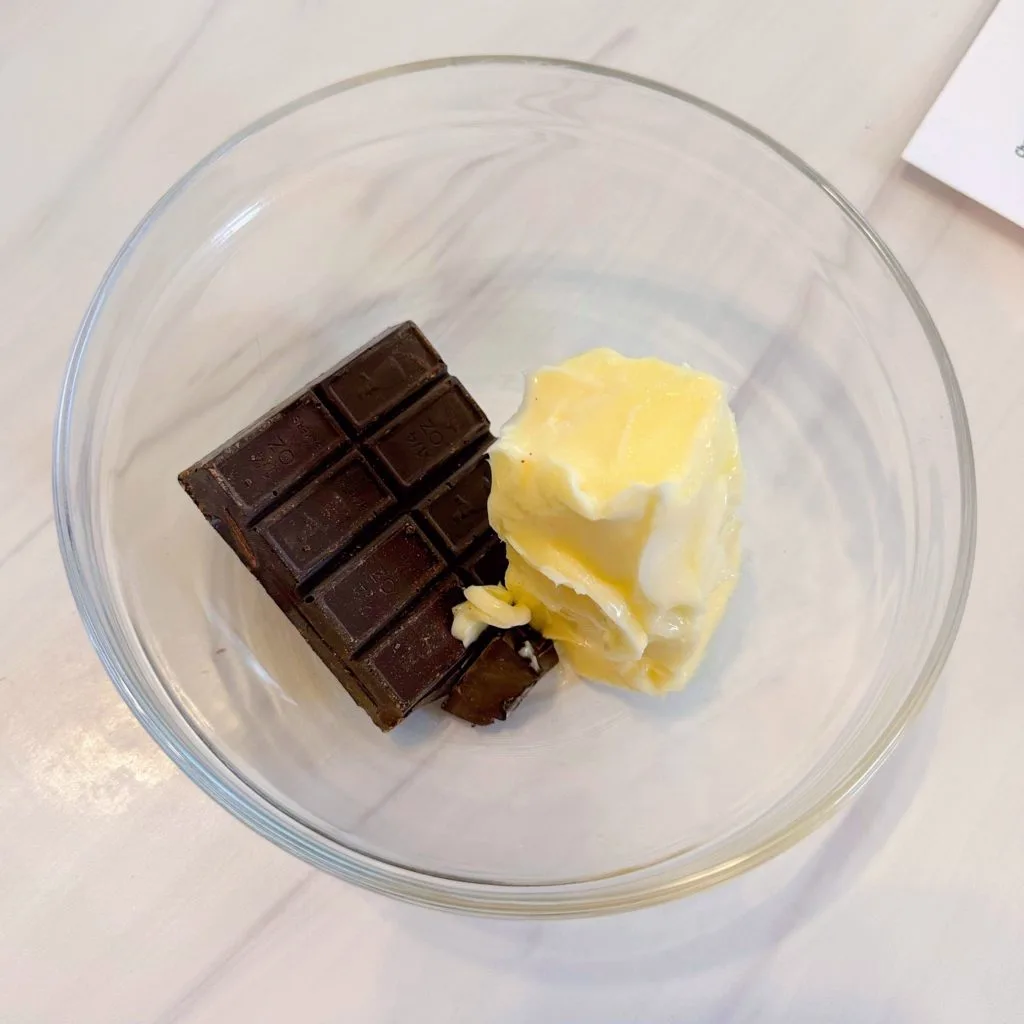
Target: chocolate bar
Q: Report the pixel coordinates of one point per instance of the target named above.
(360, 505)
(494, 684)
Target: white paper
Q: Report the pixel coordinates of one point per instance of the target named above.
(973, 137)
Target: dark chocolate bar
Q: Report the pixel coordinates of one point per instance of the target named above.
(494, 684)
(488, 563)
(360, 504)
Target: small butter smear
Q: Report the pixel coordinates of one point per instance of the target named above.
(615, 489)
(527, 653)
(483, 607)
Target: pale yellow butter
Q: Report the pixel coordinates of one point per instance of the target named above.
(483, 607)
(615, 488)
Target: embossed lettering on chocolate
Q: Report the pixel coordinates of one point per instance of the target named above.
(360, 505)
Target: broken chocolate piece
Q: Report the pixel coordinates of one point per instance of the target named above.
(500, 677)
(358, 505)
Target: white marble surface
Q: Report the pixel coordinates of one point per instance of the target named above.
(127, 896)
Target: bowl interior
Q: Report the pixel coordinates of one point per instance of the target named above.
(522, 212)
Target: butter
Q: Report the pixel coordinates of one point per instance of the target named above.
(483, 607)
(615, 488)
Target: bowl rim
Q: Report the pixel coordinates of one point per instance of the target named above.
(635, 887)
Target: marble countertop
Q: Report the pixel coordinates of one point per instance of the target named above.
(128, 896)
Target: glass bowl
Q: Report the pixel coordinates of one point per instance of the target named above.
(521, 211)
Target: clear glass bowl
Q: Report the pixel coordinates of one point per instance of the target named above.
(521, 211)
